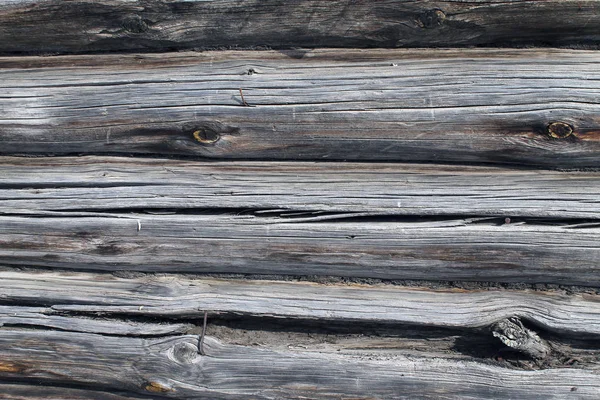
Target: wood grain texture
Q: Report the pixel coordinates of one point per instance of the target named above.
(491, 106)
(172, 368)
(117, 25)
(436, 250)
(50, 319)
(32, 391)
(322, 190)
(176, 297)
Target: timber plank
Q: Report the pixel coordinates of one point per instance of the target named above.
(397, 105)
(177, 296)
(94, 184)
(172, 368)
(29, 26)
(445, 250)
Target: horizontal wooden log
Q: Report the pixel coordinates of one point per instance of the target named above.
(178, 297)
(533, 107)
(446, 250)
(32, 185)
(114, 25)
(172, 368)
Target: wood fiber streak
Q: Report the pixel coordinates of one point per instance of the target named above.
(171, 368)
(30, 26)
(62, 184)
(31, 391)
(49, 319)
(177, 297)
(484, 106)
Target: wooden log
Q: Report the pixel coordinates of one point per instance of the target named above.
(445, 250)
(69, 184)
(173, 296)
(172, 368)
(114, 25)
(397, 105)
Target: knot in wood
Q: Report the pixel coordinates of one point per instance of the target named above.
(11, 367)
(431, 18)
(513, 334)
(184, 353)
(135, 24)
(206, 136)
(157, 387)
(559, 130)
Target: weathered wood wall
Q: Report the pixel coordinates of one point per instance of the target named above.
(352, 221)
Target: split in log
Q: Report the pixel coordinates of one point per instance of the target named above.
(397, 105)
(34, 26)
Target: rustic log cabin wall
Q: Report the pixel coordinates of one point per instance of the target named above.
(248, 199)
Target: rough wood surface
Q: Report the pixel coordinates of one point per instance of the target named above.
(176, 297)
(534, 107)
(111, 25)
(46, 317)
(445, 250)
(172, 368)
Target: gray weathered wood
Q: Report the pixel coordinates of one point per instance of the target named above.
(30, 185)
(445, 250)
(80, 26)
(172, 368)
(178, 297)
(403, 105)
